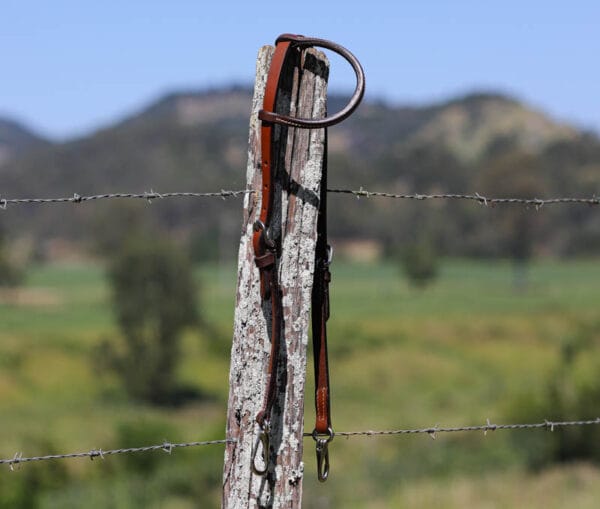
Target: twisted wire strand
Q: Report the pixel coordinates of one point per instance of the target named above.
(168, 447)
(483, 200)
(99, 453)
(148, 195)
(358, 193)
(549, 425)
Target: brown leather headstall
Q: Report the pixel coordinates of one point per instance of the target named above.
(266, 249)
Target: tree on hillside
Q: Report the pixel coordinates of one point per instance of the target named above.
(570, 388)
(516, 175)
(116, 223)
(10, 274)
(419, 262)
(154, 298)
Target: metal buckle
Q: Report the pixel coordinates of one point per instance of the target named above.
(322, 449)
(266, 233)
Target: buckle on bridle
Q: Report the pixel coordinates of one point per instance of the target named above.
(266, 233)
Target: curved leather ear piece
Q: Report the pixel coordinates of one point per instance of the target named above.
(318, 123)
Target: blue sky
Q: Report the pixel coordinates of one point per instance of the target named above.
(68, 67)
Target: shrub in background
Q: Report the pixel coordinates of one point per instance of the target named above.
(571, 391)
(26, 487)
(11, 273)
(154, 298)
(419, 263)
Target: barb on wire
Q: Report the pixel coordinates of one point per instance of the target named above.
(148, 195)
(483, 200)
(99, 453)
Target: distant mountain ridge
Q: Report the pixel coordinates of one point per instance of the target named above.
(466, 125)
(196, 107)
(470, 124)
(16, 139)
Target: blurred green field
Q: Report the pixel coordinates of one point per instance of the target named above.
(455, 353)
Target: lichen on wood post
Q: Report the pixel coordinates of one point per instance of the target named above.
(298, 175)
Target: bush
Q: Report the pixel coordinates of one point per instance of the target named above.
(154, 297)
(11, 274)
(25, 488)
(420, 263)
(140, 434)
(571, 391)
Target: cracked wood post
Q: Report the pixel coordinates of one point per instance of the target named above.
(298, 175)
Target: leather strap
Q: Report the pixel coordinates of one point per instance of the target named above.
(323, 431)
(320, 312)
(265, 249)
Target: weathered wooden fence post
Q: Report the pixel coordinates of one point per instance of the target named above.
(298, 175)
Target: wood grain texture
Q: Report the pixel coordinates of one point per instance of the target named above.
(298, 176)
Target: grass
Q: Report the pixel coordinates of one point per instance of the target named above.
(453, 354)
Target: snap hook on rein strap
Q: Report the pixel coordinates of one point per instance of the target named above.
(263, 439)
(322, 448)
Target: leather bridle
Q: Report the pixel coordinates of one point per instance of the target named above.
(266, 249)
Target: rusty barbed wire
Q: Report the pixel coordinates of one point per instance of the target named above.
(358, 193)
(168, 447)
(99, 453)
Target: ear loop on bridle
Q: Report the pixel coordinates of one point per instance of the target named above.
(346, 111)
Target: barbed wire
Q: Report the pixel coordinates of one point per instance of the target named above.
(358, 193)
(168, 447)
(147, 195)
(549, 425)
(99, 453)
(483, 200)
